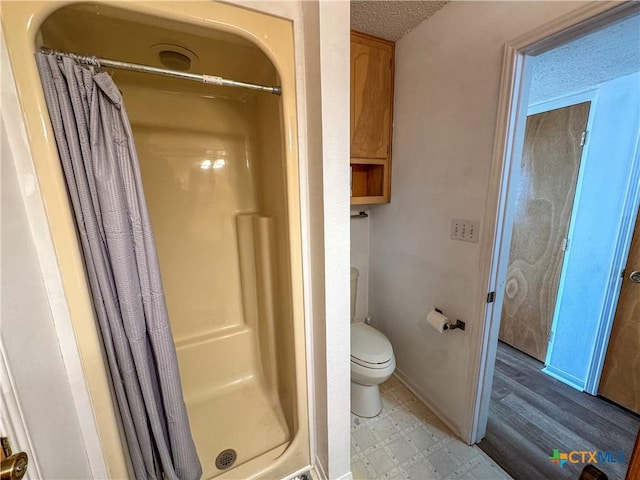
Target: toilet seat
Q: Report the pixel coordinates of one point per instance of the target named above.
(370, 365)
(369, 347)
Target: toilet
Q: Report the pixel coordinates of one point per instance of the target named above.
(372, 361)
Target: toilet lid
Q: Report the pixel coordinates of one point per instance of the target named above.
(369, 345)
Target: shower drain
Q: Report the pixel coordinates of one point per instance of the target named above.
(226, 459)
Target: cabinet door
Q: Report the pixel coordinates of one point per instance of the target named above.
(371, 91)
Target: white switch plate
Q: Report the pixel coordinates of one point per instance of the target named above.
(465, 230)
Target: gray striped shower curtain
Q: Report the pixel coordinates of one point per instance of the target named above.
(98, 155)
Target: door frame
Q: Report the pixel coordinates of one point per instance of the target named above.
(508, 146)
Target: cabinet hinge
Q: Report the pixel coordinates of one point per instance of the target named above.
(622, 273)
(491, 297)
(550, 336)
(583, 138)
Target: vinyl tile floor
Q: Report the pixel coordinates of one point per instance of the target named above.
(407, 441)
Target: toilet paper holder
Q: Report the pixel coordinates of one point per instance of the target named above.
(452, 326)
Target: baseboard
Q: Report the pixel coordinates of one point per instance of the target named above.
(427, 401)
(564, 377)
(317, 473)
(346, 476)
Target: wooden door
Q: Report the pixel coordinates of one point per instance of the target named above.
(546, 190)
(633, 472)
(620, 381)
(371, 87)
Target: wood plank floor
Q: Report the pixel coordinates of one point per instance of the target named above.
(531, 414)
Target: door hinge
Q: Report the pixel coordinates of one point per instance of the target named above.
(565, 244)
(550, 336)
(583, 138)
(491, 297)
(622, 272)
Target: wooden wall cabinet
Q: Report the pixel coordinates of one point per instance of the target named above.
(372, 64)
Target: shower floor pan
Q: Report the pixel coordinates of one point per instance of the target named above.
(230, 405)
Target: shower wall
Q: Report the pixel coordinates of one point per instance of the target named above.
(271, 187)
(219, 169)
(196, 159)
(212, 169)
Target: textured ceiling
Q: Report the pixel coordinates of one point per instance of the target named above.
(390, 19)
(588, 61)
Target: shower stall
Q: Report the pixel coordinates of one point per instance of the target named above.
(219, 170)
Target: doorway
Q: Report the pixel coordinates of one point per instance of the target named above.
(572, 325)
(573, 194)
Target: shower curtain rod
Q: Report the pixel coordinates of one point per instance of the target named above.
(135, 67)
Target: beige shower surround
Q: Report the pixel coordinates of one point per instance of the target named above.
(264, 285)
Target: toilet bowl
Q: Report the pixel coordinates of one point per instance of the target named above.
(372, 362)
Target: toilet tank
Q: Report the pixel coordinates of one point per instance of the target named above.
(354, 290)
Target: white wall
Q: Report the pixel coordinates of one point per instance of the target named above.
(28, 333)
(446, 100)
(334, 67)
(360, 260)
(314, 274)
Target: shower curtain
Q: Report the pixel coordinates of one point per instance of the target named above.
(98, 155)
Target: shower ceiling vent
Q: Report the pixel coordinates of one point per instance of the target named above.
(226, 459)
(175, 57)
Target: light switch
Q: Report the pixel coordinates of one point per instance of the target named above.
(465, 230)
